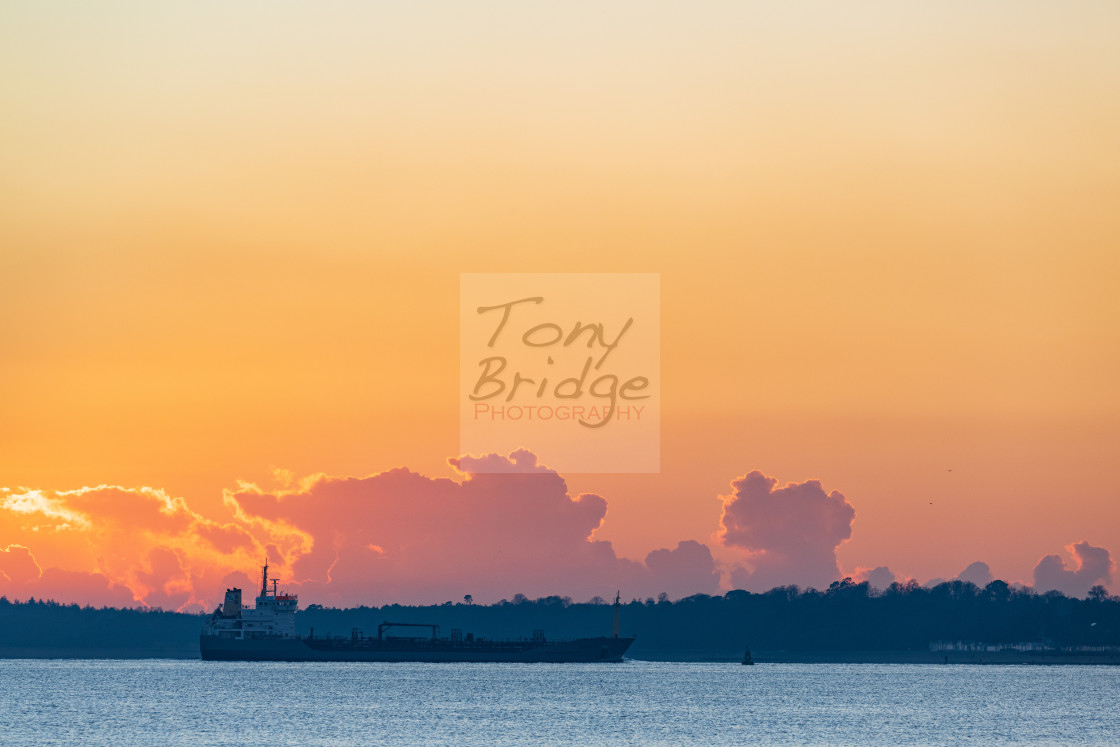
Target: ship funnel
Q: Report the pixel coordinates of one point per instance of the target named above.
(232, 605)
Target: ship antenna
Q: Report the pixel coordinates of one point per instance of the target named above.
(614, 628)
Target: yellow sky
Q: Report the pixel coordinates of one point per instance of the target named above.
(231, 240)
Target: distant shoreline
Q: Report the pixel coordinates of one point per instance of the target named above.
(1057, 658)
(890, 657)
(954, 623)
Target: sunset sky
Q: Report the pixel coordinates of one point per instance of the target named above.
(231, 241)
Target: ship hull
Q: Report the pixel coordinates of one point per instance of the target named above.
(215, 648)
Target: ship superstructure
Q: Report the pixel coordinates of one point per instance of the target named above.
(273, 617)
(268, 633)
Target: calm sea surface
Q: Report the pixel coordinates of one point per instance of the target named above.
(158, 702)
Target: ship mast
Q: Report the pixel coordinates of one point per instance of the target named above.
(264, 579)
(614, 627)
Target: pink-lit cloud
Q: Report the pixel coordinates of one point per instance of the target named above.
(397, 536)
(688, 569)
(22, 578)
(788, 535)
(513, 528)
(110, 545)
(1091, 566)
(878, 578)
(977, 573)
(501, 525)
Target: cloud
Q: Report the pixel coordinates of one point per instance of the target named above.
(511, 528)
(226, 538)
(977, 573)
(18, 566)
(504, 525)
(21, 578)
(522, 460)
(879, 578)
(33, 503)
(500, 525)
(687, 570)
(1091, 566)
(110, 545)
(84, 588)
(788, 535)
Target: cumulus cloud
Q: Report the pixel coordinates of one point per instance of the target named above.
(504, 525)
(511, 528)
(501, 525)
(879, 578)
(521, 460)
(788, 535)
(81, 587)
(977, 573)
(21, 578)
(109, 545)
(1091, 566)
(18, 566)
(689, 569)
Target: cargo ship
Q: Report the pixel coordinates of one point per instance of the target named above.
(267, 632)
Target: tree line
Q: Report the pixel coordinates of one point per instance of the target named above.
(847, 616)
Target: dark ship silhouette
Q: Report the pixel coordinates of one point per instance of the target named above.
(267, 633)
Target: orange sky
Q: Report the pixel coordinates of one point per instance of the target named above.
(887, 238)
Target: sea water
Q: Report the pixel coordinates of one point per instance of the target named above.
(177, 702)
